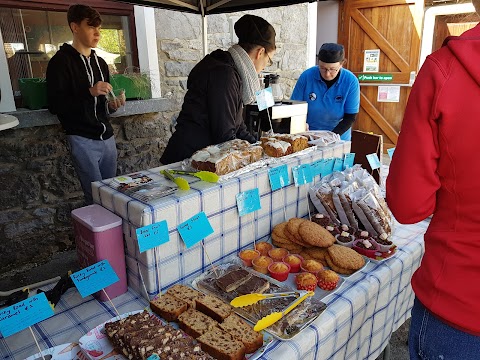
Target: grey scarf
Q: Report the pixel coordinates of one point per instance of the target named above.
(248, 74)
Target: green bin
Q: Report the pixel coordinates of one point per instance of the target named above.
(137, 86)
(34, 92)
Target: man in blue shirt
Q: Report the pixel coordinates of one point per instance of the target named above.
(332, 92)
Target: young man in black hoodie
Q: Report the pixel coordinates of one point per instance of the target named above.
(77, 82)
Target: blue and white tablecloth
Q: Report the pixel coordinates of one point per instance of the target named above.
(357, 323)
(173, 260)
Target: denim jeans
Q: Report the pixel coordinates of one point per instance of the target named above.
(93, 160)
(432, 339)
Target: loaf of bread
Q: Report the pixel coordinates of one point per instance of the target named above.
(226, 157)
(221, 345)
(213, 307)
(195, 323)
(298, 142)
(185, 293)
(243, 332)
(168, 307)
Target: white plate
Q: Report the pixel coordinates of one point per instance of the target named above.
(69, 351)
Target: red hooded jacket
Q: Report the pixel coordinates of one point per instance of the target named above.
(436, 170)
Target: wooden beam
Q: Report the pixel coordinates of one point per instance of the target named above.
(380, 40)
(378, 3)
(378, 118)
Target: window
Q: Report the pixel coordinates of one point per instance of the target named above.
(32, 37)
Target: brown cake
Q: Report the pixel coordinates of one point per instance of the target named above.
(254, 285)
(298, 142)
(277, 148)
(168, 307)
(243, 332)
(195, 323)
(221, 345)
(213, 307)
(233, 279)
(184, 293)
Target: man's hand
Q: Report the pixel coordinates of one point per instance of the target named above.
(118, 101)
(100, 88)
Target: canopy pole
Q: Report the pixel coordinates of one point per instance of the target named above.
(204, 29)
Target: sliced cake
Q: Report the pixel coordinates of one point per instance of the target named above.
(195, 323)
(185, 293)
(168, 307)
(221, 345)
(243, 332)
(233, 279)
(213, 307)
(254, 285)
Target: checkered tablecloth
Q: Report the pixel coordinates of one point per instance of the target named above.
(357, 323)
(218, 201)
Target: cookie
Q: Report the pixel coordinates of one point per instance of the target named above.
(316, 253)
(292, 248)
(293, 225)
(293, 239)
(280, 240)
(335, 268)
(345, 258)
(305, 255)
(315, 235)
(279, 229)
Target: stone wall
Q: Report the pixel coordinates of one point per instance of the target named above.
(40, 187)
(179, 37)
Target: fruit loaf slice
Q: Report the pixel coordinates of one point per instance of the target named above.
(195, 323)
(243, 332)
(168, 307)
(213, 307)
(185, 293)
(221, 345)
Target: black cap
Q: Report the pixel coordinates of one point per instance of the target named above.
(255, 30)
(331, 53)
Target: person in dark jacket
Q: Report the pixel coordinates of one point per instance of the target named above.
(77, 82)
(218, 88)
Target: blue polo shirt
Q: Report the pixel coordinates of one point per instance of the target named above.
(326, 107)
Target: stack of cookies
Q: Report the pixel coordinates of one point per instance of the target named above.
(312, 241)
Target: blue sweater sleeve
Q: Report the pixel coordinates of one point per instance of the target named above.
(352, 103)
(299, 90)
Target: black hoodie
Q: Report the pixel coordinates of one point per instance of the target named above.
(212, 110)
(69, 77)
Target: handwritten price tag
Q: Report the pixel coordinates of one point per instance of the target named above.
(152, 235)
(317, 167)
(302, 174)
(348, 160)
(94, 278)
(21, 315)
(390, 152)
(248, 201)
(374, 161)
(338, 164)
(328, 167)
(278, 177)
(195, 229)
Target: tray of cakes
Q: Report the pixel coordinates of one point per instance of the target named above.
(230, 280)
(182, 323)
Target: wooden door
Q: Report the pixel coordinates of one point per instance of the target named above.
(394, 27)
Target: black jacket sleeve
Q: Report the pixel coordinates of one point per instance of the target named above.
(224, 86)
(243, 134)
(61, 97)
(345, 124)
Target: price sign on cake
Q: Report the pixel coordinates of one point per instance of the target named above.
(317, 167)
(195, 229)
(374, 161)
(94, 278)
(248, 201)
(278, 177)
(153, 235)
(24, 314)
(328, 167)
(264, 98)
(390, 152)
(338, 164)
(302, 174)
(348, 160)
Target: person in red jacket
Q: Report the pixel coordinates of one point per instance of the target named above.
(434, 170)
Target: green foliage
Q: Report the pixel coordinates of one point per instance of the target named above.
(112, 41)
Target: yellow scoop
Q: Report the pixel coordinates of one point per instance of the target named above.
(207, 176)
(274, 317)
(181, 182)
(250, 299)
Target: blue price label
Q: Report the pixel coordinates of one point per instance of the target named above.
(153, 235)
(248, 201)
(302, 174)
(94, 278)
(317, 167)
(338, 164)
(195, 229)
(374, 161)
(278, 177)
(348, 160)
(23, 314)
(390, 152)
(328, 167)
(264, 98)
